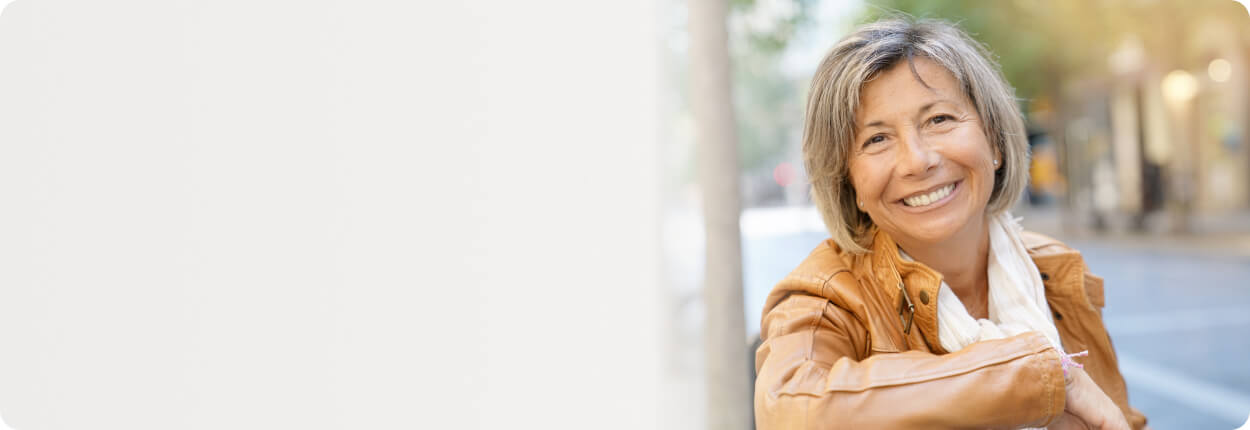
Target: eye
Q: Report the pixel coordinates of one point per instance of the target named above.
(941, 119)
(874, 139)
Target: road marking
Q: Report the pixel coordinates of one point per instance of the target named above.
(1218, 401)
(1179, 320)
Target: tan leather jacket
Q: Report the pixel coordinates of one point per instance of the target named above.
(837, 351)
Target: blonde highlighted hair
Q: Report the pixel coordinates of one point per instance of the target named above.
(834, 99)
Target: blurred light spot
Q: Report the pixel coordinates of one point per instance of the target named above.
(1128, 58)
(1220, 70)
(783, 174)
(1179, 86)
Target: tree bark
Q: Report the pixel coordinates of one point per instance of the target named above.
(728, 372)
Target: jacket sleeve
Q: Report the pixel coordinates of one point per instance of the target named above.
(808, 378)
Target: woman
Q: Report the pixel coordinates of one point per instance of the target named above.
(929, 307)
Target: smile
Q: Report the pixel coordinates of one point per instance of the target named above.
(925, 199)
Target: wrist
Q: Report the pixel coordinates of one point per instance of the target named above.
(1071, 377)
(1071, 367)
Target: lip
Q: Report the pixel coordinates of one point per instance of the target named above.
(935, 205)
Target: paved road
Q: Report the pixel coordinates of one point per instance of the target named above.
(1180, 321)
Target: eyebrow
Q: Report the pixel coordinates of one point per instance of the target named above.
(927, 106)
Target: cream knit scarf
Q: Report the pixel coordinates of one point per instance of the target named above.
(1017, 301)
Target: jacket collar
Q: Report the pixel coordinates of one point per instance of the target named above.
(1062, 274)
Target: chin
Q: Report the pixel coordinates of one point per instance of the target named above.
(930, 236)
(933, 231)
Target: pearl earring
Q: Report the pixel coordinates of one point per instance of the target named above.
(995, 162)
(861, 202)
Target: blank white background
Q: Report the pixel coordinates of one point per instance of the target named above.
(308, 214)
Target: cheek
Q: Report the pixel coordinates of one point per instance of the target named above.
(875, 184)
(862, 182)
(976, 152)
(981, 158)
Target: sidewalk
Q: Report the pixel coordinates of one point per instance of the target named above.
(1214, 234)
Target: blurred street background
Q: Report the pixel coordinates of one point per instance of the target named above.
(1138, 115)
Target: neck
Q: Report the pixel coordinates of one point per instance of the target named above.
(952, 258)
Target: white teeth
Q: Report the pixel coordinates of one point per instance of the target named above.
(926, 199)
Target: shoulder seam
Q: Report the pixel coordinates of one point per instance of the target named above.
(824, 286)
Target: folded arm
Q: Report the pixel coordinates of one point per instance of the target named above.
(808, 377)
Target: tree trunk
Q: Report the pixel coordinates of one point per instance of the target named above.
(728, 372)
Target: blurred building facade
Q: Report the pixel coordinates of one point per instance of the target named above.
(1158, 136)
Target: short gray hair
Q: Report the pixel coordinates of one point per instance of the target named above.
(834, 99)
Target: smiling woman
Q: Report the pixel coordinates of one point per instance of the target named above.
(929, 307)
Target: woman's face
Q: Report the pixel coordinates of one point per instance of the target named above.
(921, 166)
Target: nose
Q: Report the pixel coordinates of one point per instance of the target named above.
(916, 157)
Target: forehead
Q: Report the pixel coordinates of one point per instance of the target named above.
(908, 86)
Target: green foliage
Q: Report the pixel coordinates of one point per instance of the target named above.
(767, 103)
(775, 41)
(1037, 42)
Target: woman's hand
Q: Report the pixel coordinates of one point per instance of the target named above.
(1087, 407)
